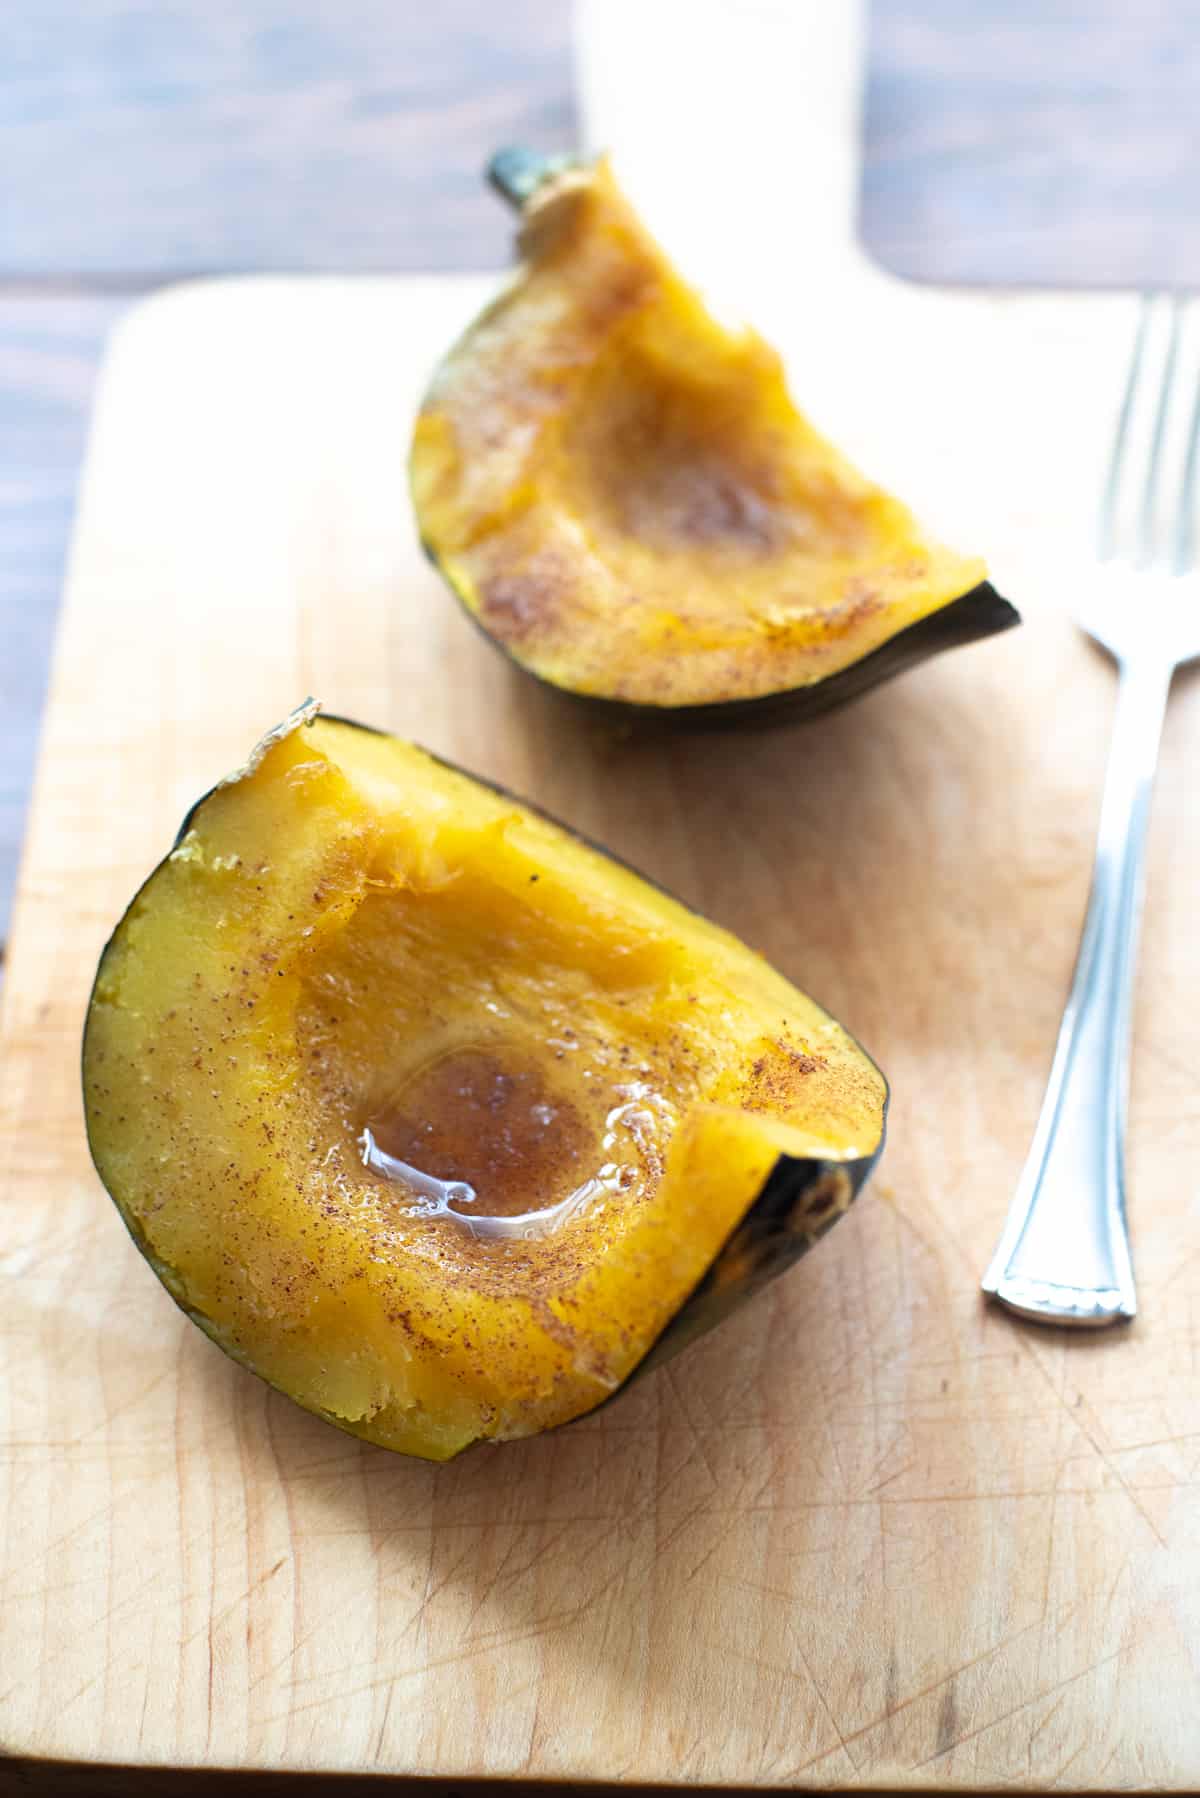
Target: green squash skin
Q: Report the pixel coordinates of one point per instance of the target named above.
(799, 1202)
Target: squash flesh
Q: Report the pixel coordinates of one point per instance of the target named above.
(624, 495)
(335, 923)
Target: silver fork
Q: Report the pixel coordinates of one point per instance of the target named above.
(1064, 1254)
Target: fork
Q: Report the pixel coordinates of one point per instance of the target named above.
(1063, 1256)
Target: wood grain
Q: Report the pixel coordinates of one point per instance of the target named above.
(149, 141)
(1009, 142)
(1034, 144)
(869, 1534)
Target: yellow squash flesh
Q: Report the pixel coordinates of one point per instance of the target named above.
(624, 496)
(351, 932)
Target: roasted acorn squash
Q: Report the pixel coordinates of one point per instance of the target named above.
(624, 497)
(439, 1118)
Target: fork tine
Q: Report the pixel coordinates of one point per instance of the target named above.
(1161, 416)
(1112, 485)
(1185, 523)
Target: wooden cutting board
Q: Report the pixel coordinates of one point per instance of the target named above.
(871, 1532)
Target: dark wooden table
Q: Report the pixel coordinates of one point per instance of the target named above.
(142, 141)
(1035, 142)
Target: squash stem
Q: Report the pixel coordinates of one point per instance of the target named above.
(517, 173)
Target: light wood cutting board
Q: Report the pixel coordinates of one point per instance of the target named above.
(870, 1533)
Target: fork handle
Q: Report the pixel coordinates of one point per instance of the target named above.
(1064, 1253)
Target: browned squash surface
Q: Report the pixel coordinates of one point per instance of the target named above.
(623, 494)
(437, 1117)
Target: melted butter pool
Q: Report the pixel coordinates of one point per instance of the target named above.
(473, 1140)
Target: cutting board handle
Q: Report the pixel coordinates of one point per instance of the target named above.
(735, 126)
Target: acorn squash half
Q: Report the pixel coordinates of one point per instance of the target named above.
(624, 497)
(437, 1117)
